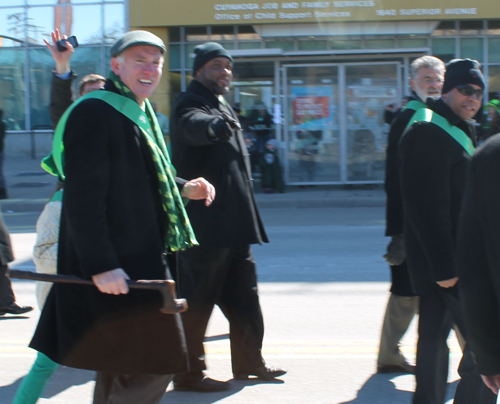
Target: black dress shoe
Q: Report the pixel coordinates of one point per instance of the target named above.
(405, 367)
(264, 373)
(203, 384)
(14, 308)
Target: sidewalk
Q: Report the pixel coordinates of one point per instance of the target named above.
(29, 188)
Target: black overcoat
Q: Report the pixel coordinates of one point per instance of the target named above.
(394, 217)
(479, 256)
(111, 218)
(433, 167)
(233, 219)
(394, 208)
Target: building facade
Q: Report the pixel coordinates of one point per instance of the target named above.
(26, 64)
(324, 70)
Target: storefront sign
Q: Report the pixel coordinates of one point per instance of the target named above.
(147, 13)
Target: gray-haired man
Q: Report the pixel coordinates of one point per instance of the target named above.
(427, 74)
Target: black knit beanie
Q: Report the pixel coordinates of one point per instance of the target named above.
(462, 71)
(207, 52)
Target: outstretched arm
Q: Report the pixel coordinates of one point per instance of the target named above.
(61, 58)
(61, 96)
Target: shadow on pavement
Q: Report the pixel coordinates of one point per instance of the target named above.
(380, 389)
(219, 337)
(236, 386)
(63, 379)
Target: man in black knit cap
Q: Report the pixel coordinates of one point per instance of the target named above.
(207, 138)
(434, 156)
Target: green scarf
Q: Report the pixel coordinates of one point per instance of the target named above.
(179, 234)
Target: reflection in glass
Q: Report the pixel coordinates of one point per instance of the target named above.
(174, 55)
(7, 3)
(12, 23)
(471, 48)
(84, 61)
(369, 88)
(445, 28)
(285, 45)
(190, 54)
(494, 50)
(41, 2)
(40, 23)
(379, 43)
(346, 44)
(250, 45)
(494, 82)
(493, 27)
(40, 77)
(87, 24)
(313, 45)
(12, 88)
(174, 34)
(247, 33)
(443, 48)
(63, 17)
(312, 153)
(114, 23)
(196, 34)
(413, 43)
(87, 60)
(471, 27)
(51, 2)
(107, 60)
(222, 33)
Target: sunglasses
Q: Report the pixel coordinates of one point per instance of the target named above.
(468, 90)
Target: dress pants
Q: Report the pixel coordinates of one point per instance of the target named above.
(6, 293)
(112, 388)
(437, 313)
(226, 277)
(398, 316)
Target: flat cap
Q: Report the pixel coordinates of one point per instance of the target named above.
(137, 38)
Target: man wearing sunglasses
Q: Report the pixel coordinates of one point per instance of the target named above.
(434, 155)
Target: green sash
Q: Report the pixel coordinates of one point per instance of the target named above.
(415, 105)
(54, 162)
(427, 115)
(179, 234)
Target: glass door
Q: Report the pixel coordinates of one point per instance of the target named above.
(312, 127)
(368, 89)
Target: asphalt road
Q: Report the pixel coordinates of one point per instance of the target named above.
(323, 287)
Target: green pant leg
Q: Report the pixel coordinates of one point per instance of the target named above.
(34, 382)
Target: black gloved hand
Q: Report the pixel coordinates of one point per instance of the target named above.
(220, 129)
(396, 253)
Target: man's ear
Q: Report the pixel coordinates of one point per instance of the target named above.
(115, 66)
(412, 84)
